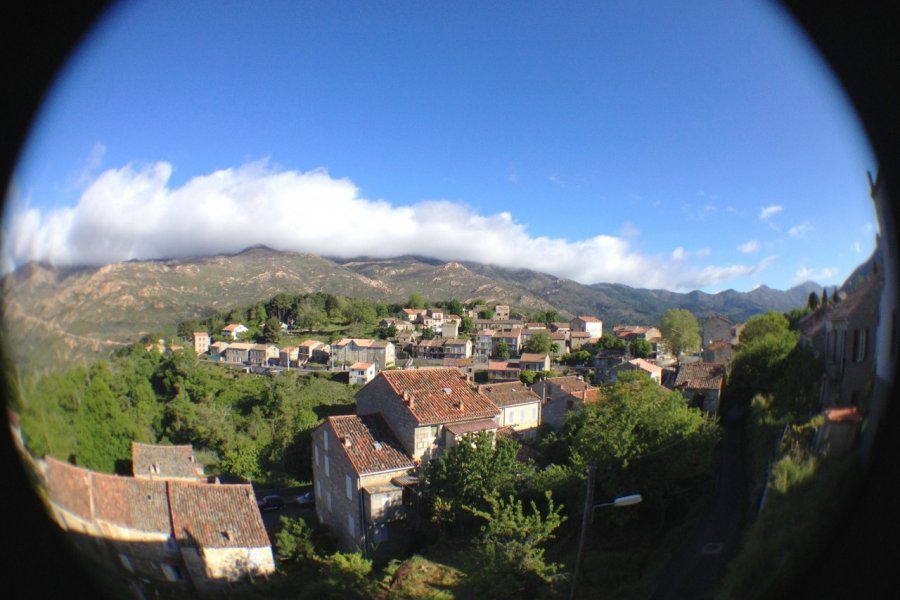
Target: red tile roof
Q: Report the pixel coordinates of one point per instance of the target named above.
(700, 376)
(69, 487)
(459, 429)
(440, 395)
(509, 394)
(530, 357)
(139, 504)
(361, 366)
(372, 447)
(216, 516)
(170, 461)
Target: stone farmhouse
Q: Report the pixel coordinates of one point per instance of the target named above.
(520, 407)
(560, 395)
(702, 385)
(362, 463)
(163, 532)
(352, 350)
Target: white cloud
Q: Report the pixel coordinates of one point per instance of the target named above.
(748, 247)
(680, 253)
(799, 230)
(768, 211)
(825, 274)
(134, 213)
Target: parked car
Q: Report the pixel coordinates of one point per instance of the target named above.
(271, 503)
(306, 498)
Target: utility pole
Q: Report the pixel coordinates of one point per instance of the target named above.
(588, 505)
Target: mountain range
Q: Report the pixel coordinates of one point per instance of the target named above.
(57, 315)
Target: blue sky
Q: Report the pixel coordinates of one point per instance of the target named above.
(677, 145)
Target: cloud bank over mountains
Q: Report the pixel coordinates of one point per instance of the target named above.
(136, 213)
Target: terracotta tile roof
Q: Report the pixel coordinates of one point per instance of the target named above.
(200, 333)
(69, 487)
(646, 365)
(588, 319)
(531, 357)
(700, 376)
(216, 516)
(565, 387)
(312, 344)
(558, 335)
(459, 429)
(440, 395)
(501, 365)
(865, 293)
(139, 504)
(240, 346)
(169, 461)
(361, 366)
(458, 362)
(231, 327)
(373, 448)
(580, 334)
(455, 342)
(361, 342)
(509, 394)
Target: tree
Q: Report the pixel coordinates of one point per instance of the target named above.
(462, 477)
(610, 342)
(538, 344)
(508, 561)
(415, 301)
(272, 332)
(644, 437)
(454, 307)
(813, 301)
(102, 426)
(502, 351)
(641, 348)
(486, 313)
(680, 330)
(467, 325)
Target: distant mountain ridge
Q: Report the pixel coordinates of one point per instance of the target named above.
(53, 314)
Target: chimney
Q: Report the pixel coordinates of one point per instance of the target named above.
(347, 442)
(459, 404)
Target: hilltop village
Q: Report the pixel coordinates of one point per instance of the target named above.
(431, 382)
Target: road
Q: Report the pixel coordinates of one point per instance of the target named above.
(699, 564)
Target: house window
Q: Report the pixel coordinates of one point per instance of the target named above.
(325, 440)
(330, 504)
(351, 525)
(318, 488)
(349, 483)
(327, 467)
(316, 449)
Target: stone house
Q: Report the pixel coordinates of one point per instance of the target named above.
(512, 338)
(520, 407)
(287, 356)
(351, 350)
(588, 324)
(534, 362)
(159, 536)
(714, 328)
(605, 361)
(238, 353)
(702, 384)
(577, 339)
(233, 330)
(261, 354)
(361, 373)
(501, 312)
(502, 370)
(201, 342)
(559, 395)
(425, 407)
(484, 341)
(313, 350)
(358, 467)
(457, 348)
(217, 350)
(638, 364)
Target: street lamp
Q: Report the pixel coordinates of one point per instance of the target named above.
(628, 500)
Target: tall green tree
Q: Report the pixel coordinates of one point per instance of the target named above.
(272, 331)
(509, 559)
(459, 480)
(643, 438)
(538, 344)
(502, 351)
(102, 425)
(641, 348)
(680, 330)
